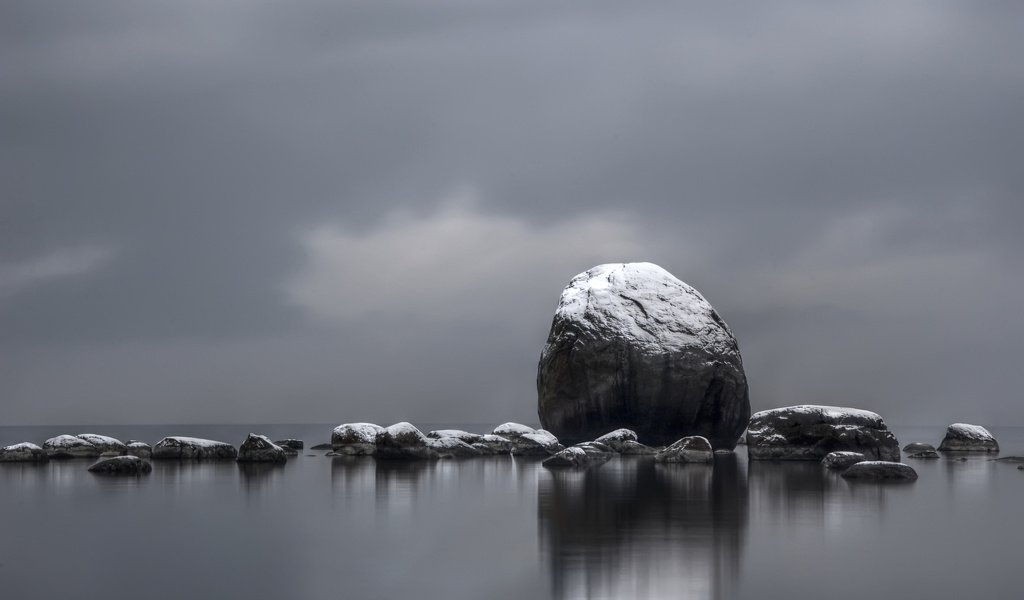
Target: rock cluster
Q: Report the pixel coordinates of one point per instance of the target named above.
(810, 432)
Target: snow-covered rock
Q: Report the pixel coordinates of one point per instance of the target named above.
(403, 441)
(527, 441)
(690, 449)
(616, 439)
(451, 447)
(509, 430)
(122, 465)
(104, 443)
(809, 432)
(70, 446)
(842, 460)
(961, 437)
(140, 449)
(181, 447)
(358, 439)
(259, 448)
(23, 452)
(580, 456)
(880, 470)
(632, 346)
(465, 436)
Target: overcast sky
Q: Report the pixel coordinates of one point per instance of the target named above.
(332, 211)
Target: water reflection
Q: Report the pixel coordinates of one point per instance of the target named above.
(636, 529)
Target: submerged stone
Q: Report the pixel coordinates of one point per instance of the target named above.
(810, 432)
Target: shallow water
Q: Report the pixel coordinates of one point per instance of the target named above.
(319, 527)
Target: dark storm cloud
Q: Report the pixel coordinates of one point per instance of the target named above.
(334, 211)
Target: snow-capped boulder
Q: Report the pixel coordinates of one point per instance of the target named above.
(616, 439)
(259, 448)
(403, 441)
(690, 449)
(23, 452)
(104, 443)
(451, 447)
(465, 436)
(527, 441)
(961, 437)
(842, 460)
(632, 346)
(290, 443)
(122, 465)
(140, 449)
(180, 447)
(358, 439)
(810, 432)
(70, 446)
(880, 470)
(580, 456)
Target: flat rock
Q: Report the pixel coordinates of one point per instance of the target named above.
(1010, 459)
(451, 447)
(182, 447)
(809, 432)
(259, 448)
(322, 447)
(879, 470)
(23, 452)
(465, 436)
(358, 439)
(104, 443)
(70, 446)
(122, 465)
(403, 441)
(580, 456)
(842, 460)
(632, 346)
(290, 443)
(690, 449)
(961, 437)
(140, 449)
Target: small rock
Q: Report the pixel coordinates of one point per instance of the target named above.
(809, 432)
(580, 456)
(290, 443)
(961, 437)
(925, 454)
(23, 452)
(122, 465)
(450, 447)
(496, 444)
(70, 446)
(359, 439)
(510, 430)
(140, 449)
(842, 460)
(918, 447)
(691, 449)
(1020, 467)
(259, 448)
(527, 441)
(880, 470)
(182, 447)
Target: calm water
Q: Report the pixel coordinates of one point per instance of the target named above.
(500, 528)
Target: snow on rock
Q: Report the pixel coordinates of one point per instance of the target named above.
(465, 436)
(70, 446)
(122, 465)
(914, 447)
(690, 449)
(961, 437)
(512, 429)
(452, 447)
(616, 439)
(580, 456)
(809, 432)
(181, 447)
(842, 460)
(259, 448)
(880, 470)
(355, 438)
(104, 443)
(494, 444)
(23, 452)
(403, 441)
(632, 346)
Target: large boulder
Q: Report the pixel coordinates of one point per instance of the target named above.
(259, 448)
(879, 470)
(961, 437)
(122, 465)
(632, 346)
(23, 452)
(358, 439)
(811, 432)
(180, 447)
(70, 446)
(690, 449)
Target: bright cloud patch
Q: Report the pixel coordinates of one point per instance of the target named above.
(16, 277)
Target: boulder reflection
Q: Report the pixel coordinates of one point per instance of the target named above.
(636, 529)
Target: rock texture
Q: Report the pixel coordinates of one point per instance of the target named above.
(632, 346)
(23, 452)
(122, 465)
(70, 446)
(259, 448)
(580, 456)
(842, 460)
(691, 449)
(179, 447)
(878, 470)
(104, 443)
(810, 432)
(359, 439)
(961, 437)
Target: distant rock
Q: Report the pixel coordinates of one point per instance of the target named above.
(104, 443)
(924, 454)
(580, 456)
(70, 446)
(259, 448)
(290, 443)
(1020, 467)
(842, 460)
(616, 439)
(23, 452)
(878, 470)
(690, 449)
(961, 437)
(122, 465)
(810, 432)
(358, 439)
(632, 346)
(465, 436)
(451, 447)
(403, 441)
(181, 447)
(918, 447)
(140, 449)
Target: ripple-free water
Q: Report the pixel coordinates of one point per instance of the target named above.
(495, 527)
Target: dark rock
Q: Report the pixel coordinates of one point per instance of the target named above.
(122, 465)
(23, 452)
(494, 444)
(290, 443)
(70, 446)
(691, 449)
(810, 432)
(918, 447)
(1010, 459)
(842, 460)
(322, 447)
(616, 439)
(961, 437)
(403, 441)
(580, 456)
(259, 448)
(359, 439)
(878, 470)
(180, 447)
(1020, 467)
(630, 447)
(140, 449)
(632, 346)
(925, 454)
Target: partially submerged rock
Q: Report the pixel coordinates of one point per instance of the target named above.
(616, 439)
(580, 456)
(465, 436)
(122, 465)
(879, 470)
(690, 449)
(630, 447)
(104, 443)
(181, 447)
(842, 460)
(259, 448)
(1010, 459)
(403, 441)
(70, 446)
(451, 447)
(140, 449)
(23, 452)
(322, 447)
(924, 454)
(810, 432)
(913, 447)
(961, 437)
(493, 444)
(290, 443)
(527, 441)
(357, 439)
(632, 346)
